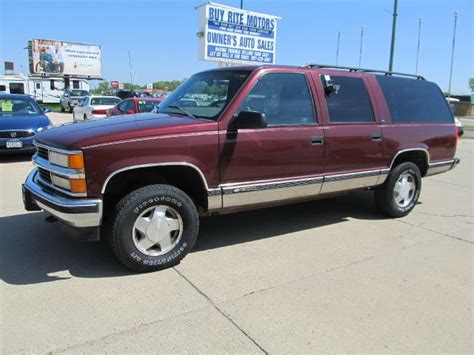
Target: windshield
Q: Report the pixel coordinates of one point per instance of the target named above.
(18, 107)
(104, 101)
(205, 95)
(79, 93)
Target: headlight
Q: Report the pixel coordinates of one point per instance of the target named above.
(71, 161)
(43, 128)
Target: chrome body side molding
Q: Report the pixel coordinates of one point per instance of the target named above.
(441, 166)
(350, 181)
(241, 194)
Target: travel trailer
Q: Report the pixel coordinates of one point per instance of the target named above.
(42, 89)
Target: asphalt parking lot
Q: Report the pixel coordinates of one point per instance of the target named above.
(323, 276)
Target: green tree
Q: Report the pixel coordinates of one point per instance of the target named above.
(102, 87)
(129, 86)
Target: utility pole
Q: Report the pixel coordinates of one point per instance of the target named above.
(337, 48)
(361, 44)
(130, 66)
(452, 53)
(418, 45)
(394, 30)
(241, 4)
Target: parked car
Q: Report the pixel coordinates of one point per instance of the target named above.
(94, 107)
(459, 126)
(452, 101)
(126, 94)
(72, 98)
(285, 134)
(134, 105)
(20, 119)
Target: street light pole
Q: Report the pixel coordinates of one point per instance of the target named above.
(452, 53)
(337, 48)
(361, 44)
(394, 30)
(418, 45)
(130, 66)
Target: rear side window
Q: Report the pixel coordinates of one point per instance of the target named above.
(350, 102)
(414, 101)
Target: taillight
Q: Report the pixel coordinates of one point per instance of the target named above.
(99, 112)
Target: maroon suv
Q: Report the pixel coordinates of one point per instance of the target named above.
(256, 136)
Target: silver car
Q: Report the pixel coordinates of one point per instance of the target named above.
(71, 99)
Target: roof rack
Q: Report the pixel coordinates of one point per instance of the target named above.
(363, 70)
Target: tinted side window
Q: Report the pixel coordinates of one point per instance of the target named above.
(131, 105)
(284, 98)
(122, 106)
(414, 101)
(350, 103)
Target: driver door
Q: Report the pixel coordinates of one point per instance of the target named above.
(282, 161)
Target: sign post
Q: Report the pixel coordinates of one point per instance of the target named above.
(231, 35)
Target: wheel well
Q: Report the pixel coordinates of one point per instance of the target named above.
(418, 157)
(184, 178)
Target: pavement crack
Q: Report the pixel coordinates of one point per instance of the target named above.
(220, 310)
(447, 235)
(445, 215)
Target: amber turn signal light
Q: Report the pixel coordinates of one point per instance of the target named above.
(78, 185)
(76, 161)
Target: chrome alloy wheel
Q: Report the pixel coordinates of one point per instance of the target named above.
(404, 189)
(157, 230)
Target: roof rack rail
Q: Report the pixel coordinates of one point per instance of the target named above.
(362, 70)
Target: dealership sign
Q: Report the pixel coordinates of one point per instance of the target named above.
(49, 57)
(228, 34)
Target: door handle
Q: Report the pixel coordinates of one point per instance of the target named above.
(377, 136)
(317, 140)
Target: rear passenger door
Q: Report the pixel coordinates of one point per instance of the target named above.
(353, 135)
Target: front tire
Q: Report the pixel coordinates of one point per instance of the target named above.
(400, 192)
(154, 228)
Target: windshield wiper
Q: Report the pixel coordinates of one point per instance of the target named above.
(181, 110)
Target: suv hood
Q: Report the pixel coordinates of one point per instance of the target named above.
(116, 128)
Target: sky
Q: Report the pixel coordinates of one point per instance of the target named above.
(161, 35)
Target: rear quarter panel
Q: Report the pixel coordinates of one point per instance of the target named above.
(439, 139)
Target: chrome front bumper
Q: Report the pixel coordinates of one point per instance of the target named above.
(75, 212)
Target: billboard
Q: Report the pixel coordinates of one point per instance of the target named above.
(229, 34)
(65, 58)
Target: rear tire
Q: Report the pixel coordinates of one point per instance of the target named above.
(85, 117)
(400, 192)
(70, 108)
(154, 228)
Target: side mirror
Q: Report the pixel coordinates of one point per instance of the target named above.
(248, 119)
(130, 112)
(46, 110)
(329, 86)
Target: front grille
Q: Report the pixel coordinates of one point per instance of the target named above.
(16, 134)
(44, 174)
(42, 152)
